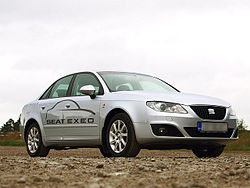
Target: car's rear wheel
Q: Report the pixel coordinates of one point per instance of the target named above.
(208, 151)
(119, 138)
(34, 144)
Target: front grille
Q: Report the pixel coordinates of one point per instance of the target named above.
(210, 112)
(193, 132)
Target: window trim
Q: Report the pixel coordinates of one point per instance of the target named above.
(47, 90)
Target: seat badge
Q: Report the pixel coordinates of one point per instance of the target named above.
(211, 111)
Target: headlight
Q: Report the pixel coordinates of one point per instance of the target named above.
(231, 112)
(167, 107)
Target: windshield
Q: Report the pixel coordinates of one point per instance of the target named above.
(117, 81)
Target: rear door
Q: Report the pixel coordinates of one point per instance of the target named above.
(52, 107)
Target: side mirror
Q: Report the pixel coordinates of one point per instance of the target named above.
(88, 90)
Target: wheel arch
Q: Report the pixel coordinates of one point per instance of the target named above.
(28, 124)
(109, 117)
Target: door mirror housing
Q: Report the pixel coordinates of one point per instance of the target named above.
(88, 90)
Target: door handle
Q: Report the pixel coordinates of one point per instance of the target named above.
(67, 105)
(42, 107)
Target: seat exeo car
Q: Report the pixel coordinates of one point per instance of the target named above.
(121, 113)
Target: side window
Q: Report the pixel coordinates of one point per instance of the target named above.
(85, 79)
(60, 88)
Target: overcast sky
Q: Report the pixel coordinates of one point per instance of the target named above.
(198, 46)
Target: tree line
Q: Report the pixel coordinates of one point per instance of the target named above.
(10, 126)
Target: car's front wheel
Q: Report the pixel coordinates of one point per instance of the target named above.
(119, 138)
(34, 144)
(208, 151)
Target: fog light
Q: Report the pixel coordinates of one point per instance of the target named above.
(162, 131)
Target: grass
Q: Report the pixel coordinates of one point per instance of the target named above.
(243, 144)
(12, 143)
(11, 139)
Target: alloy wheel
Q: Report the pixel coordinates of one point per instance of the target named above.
(118, 136)
(33, 140)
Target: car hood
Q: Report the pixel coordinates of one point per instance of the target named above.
(178, 97)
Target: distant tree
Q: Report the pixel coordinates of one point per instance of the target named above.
(16, 125)
(241, 125)
(10, 126)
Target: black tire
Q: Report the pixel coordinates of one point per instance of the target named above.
(40, 150)
(208, 151)
(104, 152)
(130, 149)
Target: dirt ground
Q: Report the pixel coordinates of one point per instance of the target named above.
(151, 169)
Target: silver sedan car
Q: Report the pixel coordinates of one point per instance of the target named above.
(121, 113)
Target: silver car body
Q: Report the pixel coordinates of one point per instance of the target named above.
(79, 120)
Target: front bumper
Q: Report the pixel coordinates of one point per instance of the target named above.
(186, 125)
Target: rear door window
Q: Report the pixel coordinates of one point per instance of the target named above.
(61, 87)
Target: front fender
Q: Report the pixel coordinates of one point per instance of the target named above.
(136, 110)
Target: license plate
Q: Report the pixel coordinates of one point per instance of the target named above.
(212, 127)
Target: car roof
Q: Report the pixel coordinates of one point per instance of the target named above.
(106, 72)
(121, 72)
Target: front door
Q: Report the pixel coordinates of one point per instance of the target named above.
(82, 113)
(81, 119)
